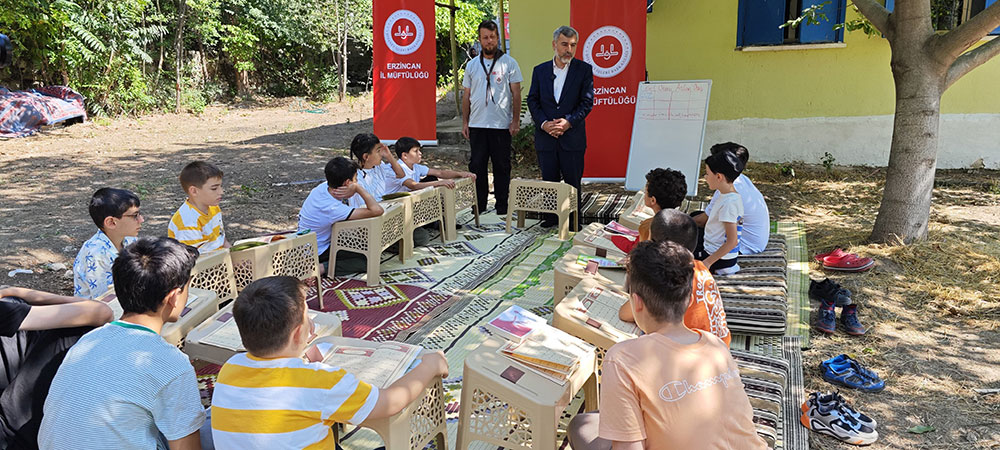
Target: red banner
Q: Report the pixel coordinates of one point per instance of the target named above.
(613, 41)
(404, 70)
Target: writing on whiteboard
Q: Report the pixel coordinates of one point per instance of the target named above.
(676, 101)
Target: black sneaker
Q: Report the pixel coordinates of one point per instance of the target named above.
(828, 291)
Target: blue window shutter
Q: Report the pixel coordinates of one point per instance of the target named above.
(995, 32)
(889, 4)
(759, 21)
(824, 31)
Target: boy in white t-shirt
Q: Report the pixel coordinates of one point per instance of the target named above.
(326, 205)
(378, 168)
(721, 244)
(756, 217)
(419, 176)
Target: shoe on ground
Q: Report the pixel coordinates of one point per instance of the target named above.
(842, 370)
(848, 263)
(828, 291)
(849, 321)
(837, 252)
(826, 322)
(832, 419)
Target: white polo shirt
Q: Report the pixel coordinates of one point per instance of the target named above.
(491, 110)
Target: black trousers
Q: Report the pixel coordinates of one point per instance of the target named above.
(563, 166)
(31, 359)
(491, 144)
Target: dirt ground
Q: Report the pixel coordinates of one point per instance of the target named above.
(932, 308)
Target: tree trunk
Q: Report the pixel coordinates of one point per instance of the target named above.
(179, 49)
(919, 81)
(343, 54)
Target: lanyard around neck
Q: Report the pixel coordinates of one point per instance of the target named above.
(489, 74)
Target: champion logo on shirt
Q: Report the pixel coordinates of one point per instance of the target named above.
(676, 390)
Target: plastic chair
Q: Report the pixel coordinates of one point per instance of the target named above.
(593, 235)
(462, 196)
(635, 211)
(506, 404)
(420, 208)
(543, 197)
(294, 255)
(569, 273)
(369, 237)
(214, 272)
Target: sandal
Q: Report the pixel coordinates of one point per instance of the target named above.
(848, 262)
(837, 252)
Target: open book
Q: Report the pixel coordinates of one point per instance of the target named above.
(603, 263)
(617, 228)
(515, 323)
(602, 305)
(550, 352)
(228, 335)
(380, 364)
(111, 299)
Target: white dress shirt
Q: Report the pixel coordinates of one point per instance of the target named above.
(559, 80)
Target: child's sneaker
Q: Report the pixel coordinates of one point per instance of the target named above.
(826, 322)
(844, 371)
(832, 420)
(828, 291)
(849, 320)
(831, 399)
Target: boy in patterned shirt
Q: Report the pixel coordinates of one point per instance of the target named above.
(116, 214)
(271, 398)
(198, 222)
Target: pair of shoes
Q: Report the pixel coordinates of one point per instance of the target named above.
(828, 291)
(842, 261)
(830, 414)
(842, 370)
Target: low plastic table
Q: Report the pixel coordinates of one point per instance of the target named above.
(201, 305)
(593, 235)
(506, 404)
(583, 313)
(569, 272)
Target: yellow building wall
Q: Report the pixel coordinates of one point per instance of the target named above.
(697, 40)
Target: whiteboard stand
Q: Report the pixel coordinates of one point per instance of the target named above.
(668, 131)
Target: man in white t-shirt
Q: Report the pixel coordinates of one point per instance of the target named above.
(491, 114)
(756, 218)
(326, 206)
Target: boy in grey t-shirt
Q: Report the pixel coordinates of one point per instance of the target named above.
(122, 386)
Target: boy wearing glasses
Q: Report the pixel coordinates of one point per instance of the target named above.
(116, 214)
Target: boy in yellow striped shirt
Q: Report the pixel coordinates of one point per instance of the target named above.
(198, 222)
(270, 398)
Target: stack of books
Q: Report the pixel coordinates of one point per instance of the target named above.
(550, 352)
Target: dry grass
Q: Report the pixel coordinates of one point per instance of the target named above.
(932, 307)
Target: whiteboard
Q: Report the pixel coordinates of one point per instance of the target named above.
(668, 130)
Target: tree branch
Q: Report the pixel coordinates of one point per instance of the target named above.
(955, 42)
(875, 13)
(972, 59)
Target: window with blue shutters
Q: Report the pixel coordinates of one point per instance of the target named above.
(760, 22)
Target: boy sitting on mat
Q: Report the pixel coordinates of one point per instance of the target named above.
(756, 218)
(719, 245)
(705, 310)
(672, 388)
(665, 189)
(326, 205)
(418, 176)
(198, 222)
(116, 214)
(270, 398)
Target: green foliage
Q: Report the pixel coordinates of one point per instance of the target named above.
(785, 170)
(523, 144)
(828, 160)
(812, 15)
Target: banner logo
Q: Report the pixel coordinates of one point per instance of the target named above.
(608, 49)
(403, 32)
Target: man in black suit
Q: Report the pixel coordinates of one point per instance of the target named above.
(561, 96)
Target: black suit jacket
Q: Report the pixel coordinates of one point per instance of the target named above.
(574, 104)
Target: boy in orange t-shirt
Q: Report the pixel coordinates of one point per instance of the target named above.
(673, 387)
(705, 312)
(665, 189)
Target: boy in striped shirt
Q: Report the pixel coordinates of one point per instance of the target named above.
(198, 222)
(270, 398)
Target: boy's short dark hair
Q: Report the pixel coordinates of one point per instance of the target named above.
(487, 25)
(405, 144)
(726, 163)
(338, 170)
(267, 310)
(661, 273)
(676, 226)
(362, 144)
(740, 151)
(197, 174)
(146, 271)
(668, 186)
(111, 202)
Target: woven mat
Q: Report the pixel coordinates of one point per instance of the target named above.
(797, 256)
(429, 284)
(602, 208)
